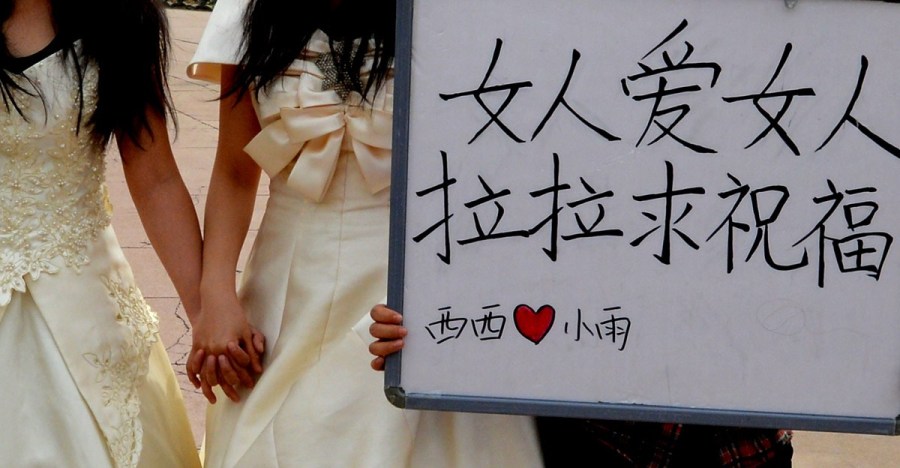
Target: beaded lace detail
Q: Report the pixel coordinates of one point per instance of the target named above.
(120, 370)
(53, 200)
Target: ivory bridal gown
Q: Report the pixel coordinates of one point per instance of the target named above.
(85, 380)
(318, 264)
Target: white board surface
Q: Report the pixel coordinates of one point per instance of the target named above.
(542, 259)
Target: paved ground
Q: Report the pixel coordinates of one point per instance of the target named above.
(195, 148)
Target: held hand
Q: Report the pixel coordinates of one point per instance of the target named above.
(231, 369)
(250, 358)
(208, 370)
(389, 332)
(247, 354)
(203, 372)
(226, 349)
(215, 370)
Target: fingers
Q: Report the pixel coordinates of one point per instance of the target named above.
(384, 331)
(205, 366)
(220, 370)
(208, 392)
(209, 378)
(227, 371)
(378, 363)
(389, 334)
(253, 350)
(241, 362)
(239, 356)
(209, 373)
(259, 341)
(206, 381)
(245, 377)
(228, 379)
(382, 314)
(387, 324)
(385, 348)
(193, 366)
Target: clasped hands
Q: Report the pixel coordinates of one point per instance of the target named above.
(227, 351)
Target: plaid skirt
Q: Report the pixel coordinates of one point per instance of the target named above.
(600, 443)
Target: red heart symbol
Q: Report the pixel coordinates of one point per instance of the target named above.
(534, 325)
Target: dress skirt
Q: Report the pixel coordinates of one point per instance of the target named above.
(314, 272)
(78, 399)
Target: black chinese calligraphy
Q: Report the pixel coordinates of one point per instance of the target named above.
(599, 327)
(442, 187)
(853, 121)
(668, 76)
(666, 116)
(605, 325)
(668, 223)
(577, 212)
(768, 203)
(787, 97)
(862, 252)
(488, 211)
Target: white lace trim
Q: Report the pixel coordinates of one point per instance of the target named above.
(53, 201)
(120, 371)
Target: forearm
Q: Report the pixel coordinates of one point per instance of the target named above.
(232, 192)
(229, 209)
(170, 221)
(165, 208)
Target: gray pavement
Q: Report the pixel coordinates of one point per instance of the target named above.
(195, 150)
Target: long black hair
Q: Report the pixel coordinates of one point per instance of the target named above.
(128, 42)
(276, 32)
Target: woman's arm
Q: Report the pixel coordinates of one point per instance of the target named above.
(222, 325)
(165, 208)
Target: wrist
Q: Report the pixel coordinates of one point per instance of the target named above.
(191, 306)
(217, 285)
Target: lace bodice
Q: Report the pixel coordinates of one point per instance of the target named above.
(53, 200)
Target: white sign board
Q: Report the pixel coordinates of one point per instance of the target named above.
(650, 209)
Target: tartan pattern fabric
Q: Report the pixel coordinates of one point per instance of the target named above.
(191, 4)
(674, 445)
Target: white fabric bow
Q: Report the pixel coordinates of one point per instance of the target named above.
(308, 125)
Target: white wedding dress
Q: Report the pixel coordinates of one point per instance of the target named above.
(85, 380)
(319, 263)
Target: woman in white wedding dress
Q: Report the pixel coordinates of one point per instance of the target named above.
(309, 100)
(86, 381)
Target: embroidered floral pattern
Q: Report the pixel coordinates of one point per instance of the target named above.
(53, 201)
(121, 369)
(53, 205)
